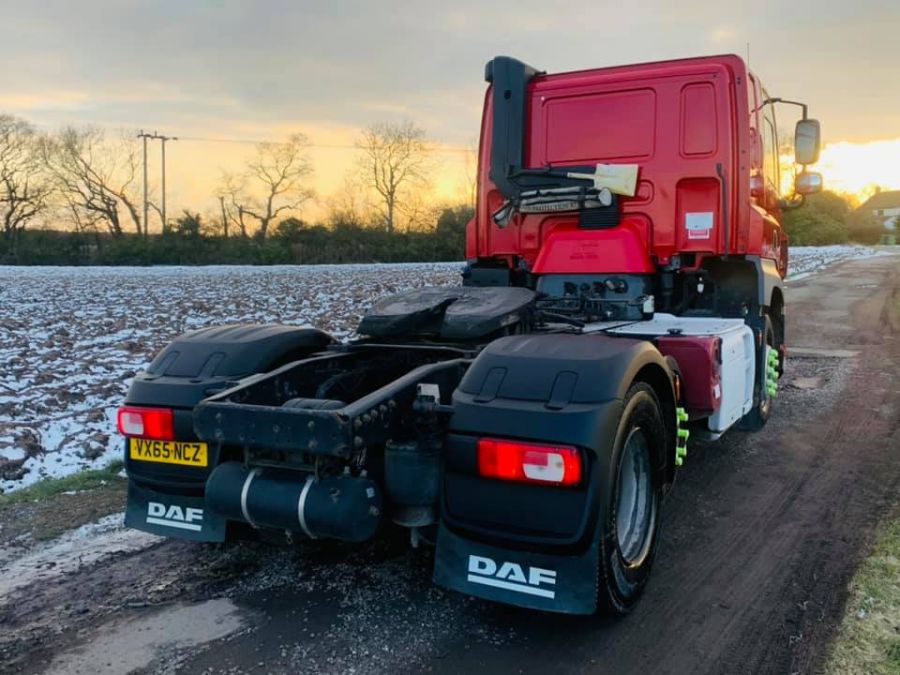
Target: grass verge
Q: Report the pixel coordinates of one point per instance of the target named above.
(869, 637)
(76, 482)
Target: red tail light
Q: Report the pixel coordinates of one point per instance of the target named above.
(157, 423)
(529, 462)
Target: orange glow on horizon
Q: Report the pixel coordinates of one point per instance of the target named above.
(857, 168)
(195, 170)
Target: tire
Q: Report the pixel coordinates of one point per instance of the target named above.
(756, 419)
(630, 531)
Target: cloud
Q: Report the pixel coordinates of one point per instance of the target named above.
(45, 100)
(333, 61)
(723, 35)
(229, 68)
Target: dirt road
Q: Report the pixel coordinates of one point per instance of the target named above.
(761, 534)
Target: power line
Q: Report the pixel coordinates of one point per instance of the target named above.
(438, 147)
(205, 139)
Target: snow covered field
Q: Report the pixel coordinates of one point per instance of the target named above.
(804, 260)
(71, 338)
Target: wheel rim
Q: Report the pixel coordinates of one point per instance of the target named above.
(636, 504)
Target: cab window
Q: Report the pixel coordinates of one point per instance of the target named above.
(770, 149)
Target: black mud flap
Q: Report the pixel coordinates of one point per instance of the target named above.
(172, 515)
(554, 583)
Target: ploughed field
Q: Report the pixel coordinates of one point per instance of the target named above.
(72, 338)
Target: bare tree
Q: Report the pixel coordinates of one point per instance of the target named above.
(233, 198)
(468, 187)
(273, 183)
(350, 203)
(24, 187)
(396, 161)
(95, 177)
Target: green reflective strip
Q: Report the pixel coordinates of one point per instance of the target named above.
(771, 372)
(681, 435)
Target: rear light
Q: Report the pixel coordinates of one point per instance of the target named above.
(157, 423)
(529, 462)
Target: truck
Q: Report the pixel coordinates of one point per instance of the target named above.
(622, 294)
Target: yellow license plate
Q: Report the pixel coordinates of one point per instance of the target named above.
(168, 452)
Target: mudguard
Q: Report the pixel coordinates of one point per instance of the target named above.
(172, 515)
(768, 278)
(550, 582)
(454, 313)
(196, 364)
(168, 499)
(560, 388)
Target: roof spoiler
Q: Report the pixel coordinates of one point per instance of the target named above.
(510, 78)
(541, 189)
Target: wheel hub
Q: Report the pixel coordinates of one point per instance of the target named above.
(636, 504)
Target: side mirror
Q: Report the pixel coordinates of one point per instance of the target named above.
(808, 182)
(807, 142)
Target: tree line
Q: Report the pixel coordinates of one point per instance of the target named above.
(74, 196)
(189, 241)
(831, 218)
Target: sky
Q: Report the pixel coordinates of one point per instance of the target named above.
(237, 72)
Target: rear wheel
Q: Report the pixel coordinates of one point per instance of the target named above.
(631, 526)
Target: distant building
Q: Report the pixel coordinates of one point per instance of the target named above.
(884, 205)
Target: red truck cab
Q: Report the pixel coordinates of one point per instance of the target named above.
(703, 135)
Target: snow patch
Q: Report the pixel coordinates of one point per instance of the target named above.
(75, 549)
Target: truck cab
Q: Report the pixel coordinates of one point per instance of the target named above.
(702, 136)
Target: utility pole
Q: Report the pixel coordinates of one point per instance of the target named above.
(163, 140)
(145, 135)
(224, 215)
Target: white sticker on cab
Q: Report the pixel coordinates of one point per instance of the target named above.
(698, 224)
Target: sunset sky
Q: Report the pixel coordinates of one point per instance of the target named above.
(233, 72)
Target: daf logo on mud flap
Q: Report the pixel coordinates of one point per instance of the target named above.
(175, 516)
(511, 576)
